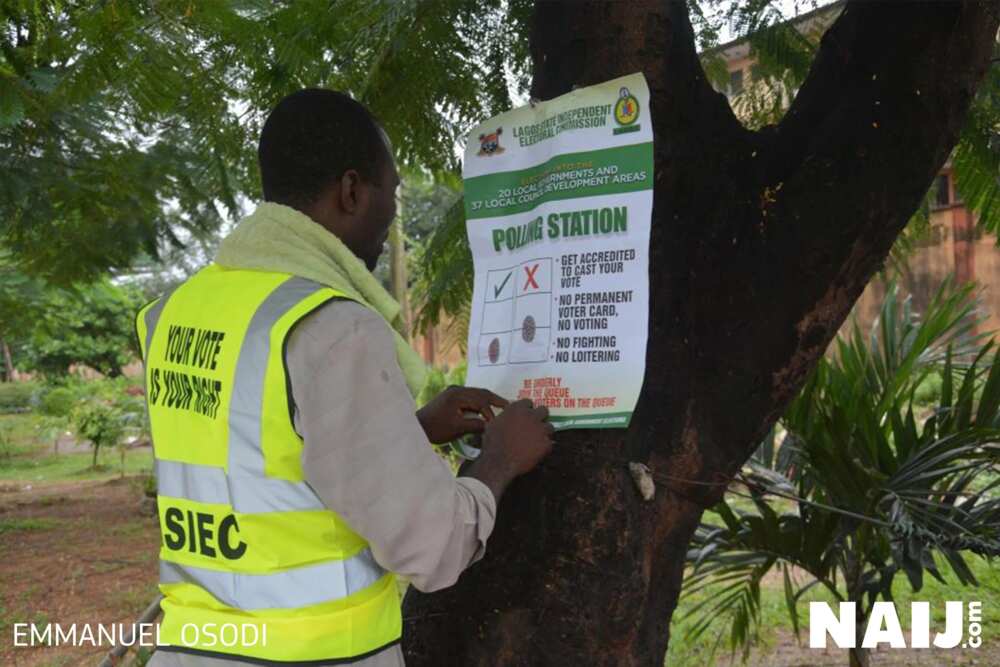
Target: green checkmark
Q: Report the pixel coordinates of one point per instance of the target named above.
(497, 290)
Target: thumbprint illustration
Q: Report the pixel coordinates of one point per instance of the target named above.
(494, 350)
(528, 329)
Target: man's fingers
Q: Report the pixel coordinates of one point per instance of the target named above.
(483, 410)
(494, 399)
(483, 396)
(473, 425)
(485, 400)
(481, 400)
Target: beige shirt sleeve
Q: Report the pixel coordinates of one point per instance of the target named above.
(367, 457)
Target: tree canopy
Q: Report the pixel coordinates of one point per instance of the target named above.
(128, 129)
(122, 124)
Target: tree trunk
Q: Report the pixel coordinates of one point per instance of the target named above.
(8, 362)
(761, 243)
(854, 581)
(397, 270)
(859, 656)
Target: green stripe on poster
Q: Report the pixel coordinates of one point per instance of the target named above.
(603, 420)
(570, 176)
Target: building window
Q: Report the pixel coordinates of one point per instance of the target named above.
(735, 82)
(942, 193)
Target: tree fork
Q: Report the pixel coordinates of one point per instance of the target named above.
(761, 243)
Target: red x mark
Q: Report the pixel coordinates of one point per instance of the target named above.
(531, 277)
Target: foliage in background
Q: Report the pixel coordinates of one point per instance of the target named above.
(443, 275)
(57, 402)
(423, 202)
(20, 296)
(127, 131)
(17, 396)
(127, 127)
(91, 325)
(438, 380)
(102, 423)
(878, 486)
(976, 159)
(56, 408)
(115, 127)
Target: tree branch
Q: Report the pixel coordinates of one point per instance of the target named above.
(571, 47)
(850, 162)
(807, 211)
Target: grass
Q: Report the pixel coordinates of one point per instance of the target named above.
(134, 600)
(14, 525)
(19, 436)
(26, 456)
(774, 614)
(75, 467)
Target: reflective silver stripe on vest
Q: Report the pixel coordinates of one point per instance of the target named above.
(202, 484)
(248, 490)
(291, 589)
(210, 484)
(153, 316)
(246, 456)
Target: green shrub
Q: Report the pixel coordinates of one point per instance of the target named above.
(17, 396)
(879, 489)
(102, 424)
(457, 374)
(434, 385)
(58, 402)
(439, 379)
(928, 392)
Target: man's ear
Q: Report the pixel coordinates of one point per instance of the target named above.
(353, 196)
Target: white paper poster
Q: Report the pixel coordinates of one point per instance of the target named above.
(558, 200)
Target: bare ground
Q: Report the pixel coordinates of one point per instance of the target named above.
(87, 555)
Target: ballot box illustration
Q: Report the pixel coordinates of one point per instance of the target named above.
(517, 314)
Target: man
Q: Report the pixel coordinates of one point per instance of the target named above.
(294, 474)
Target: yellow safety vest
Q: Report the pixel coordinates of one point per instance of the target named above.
(252, 564)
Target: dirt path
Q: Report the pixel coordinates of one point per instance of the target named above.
(79, 552)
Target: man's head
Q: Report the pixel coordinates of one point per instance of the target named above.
(324, 154)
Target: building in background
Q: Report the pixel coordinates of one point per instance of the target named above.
(438, 346)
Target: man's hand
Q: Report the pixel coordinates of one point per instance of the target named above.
(513, 444)
(444, 418)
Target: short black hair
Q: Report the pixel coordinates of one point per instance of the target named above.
(310, 139)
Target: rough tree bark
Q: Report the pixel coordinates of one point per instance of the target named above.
(761, 243)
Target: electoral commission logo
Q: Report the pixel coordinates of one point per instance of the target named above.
(626, 112)
(884, 627)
